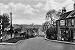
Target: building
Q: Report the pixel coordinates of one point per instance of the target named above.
(66, 25)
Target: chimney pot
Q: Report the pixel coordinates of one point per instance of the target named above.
(63, 10)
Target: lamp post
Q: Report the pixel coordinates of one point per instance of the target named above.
(11, 24)
(11, 20)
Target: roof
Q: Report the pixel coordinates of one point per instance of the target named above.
(63, 16)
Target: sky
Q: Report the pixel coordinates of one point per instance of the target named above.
(32, 11)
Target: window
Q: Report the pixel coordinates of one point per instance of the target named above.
(72, 21)
(69, 22)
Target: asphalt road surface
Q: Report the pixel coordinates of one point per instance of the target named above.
(38, 43)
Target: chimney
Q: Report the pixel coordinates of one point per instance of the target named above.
(63, 10)
(74, 6)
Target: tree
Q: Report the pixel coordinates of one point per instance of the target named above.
(51, 33)
(4, 23)
(53, 15)
(5, 20)
(18, 29)
(45, 26)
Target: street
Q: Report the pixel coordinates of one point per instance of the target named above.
(38, 43)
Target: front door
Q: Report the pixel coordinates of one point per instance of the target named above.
(71, 35)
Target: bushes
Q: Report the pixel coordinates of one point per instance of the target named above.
(51, 33)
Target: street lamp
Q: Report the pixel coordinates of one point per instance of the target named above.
(10, 11)
(11, 29)
(11, 20)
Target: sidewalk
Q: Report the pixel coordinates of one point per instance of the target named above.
(3, 43)
(7, 43)
(65, 42)
(19, 42)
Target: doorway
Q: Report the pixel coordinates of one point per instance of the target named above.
(66, 34)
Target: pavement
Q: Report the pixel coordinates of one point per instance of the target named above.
(5, 43)
(65, 42)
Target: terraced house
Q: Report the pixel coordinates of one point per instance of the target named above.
(66, 25)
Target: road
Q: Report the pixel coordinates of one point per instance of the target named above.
(38, 43)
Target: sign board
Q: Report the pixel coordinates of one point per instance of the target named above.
(62, 22)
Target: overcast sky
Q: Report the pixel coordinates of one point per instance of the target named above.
(32, 11)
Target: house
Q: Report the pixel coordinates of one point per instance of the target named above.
(66, 25)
